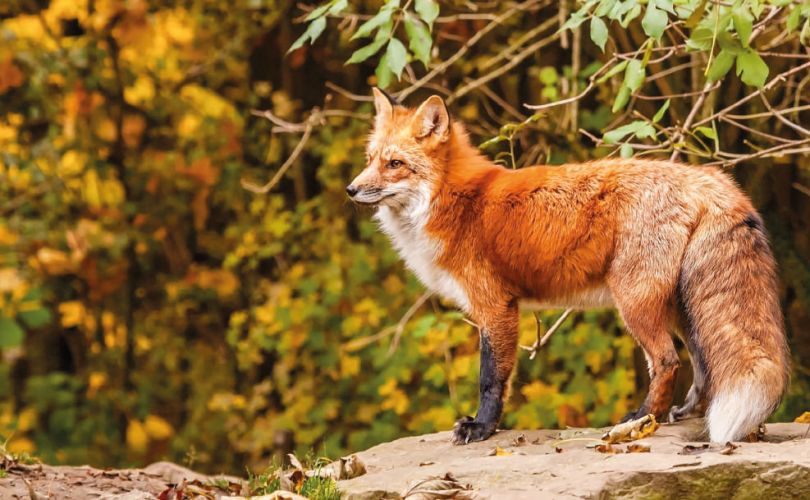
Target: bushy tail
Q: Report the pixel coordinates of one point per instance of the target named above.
(728, 286)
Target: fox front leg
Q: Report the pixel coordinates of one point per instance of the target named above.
(498, 345)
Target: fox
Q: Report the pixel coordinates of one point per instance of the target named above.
(677, 249)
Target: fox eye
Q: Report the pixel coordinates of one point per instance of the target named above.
(394, 164)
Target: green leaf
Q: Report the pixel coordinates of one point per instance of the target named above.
(654, 22)
(696, 15)
(313, 31)
(626, 151)
(599, 32)
(35, 318)
(548, 75)
(397, 56)
(701, 39)
(420, 39)
(11, 335)
(720, 66)
(428, 10)
(743, 24)
(665, 5)
(621, 98)
(793, 19)
(752, 69)
(491, 142)
(319, 12)
(708, 132)
(338, 7)
(640, 128)
(634, 13)
(574, 21)
(804, 36)
(660, 113)
(383, 72)
(369, 50)
(615, 70)
(729, 43)
(634, 76)
(382, 17)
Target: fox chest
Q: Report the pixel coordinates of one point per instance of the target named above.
(420, 253)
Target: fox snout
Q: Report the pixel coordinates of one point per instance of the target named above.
(351, 190)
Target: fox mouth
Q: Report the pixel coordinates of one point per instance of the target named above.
(373, 202)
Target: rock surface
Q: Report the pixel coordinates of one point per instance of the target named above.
(777, 468)
(86, 483)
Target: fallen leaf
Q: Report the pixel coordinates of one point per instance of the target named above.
(638, 448)
(423, 464)
(501, 453)
(804, 418)
(558, 449)
(729, 448)
(277, 495)
(438, 488)
(608, 449)
(694, 450)
(632, 430)
(520, 440)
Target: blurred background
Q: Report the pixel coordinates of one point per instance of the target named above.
(153, 308)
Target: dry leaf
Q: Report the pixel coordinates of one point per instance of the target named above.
(632, 430)
(728, 449)
(501, 453)
(426, 463)
(520, 440)
(638, 448)
(558, 449)
(294, 461)
(694, 450)
(436, 488)
(608, 449)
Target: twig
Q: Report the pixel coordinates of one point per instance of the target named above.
(287, 164)
(801, 188)
(582, 94)
(405, 318)
(472, 41)
(782, 119)
(678, 137)
(540, 342)
(513, 61)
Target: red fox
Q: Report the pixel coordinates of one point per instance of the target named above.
(677, 249)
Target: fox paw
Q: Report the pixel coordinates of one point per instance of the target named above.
(678, 413)
(634, 415)
(467, 430)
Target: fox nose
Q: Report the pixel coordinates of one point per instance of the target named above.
(351, 190)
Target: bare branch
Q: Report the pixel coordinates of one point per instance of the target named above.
(540, 342)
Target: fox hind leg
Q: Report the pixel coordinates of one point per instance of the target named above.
(697, 399)
(650, 329)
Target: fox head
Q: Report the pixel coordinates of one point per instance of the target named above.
(405, 155)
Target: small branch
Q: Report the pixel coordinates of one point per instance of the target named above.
(678, 137)
(540, 342)
(255, 188)
(405, 318)
(582, 94)
(472, 41)
(801, 188)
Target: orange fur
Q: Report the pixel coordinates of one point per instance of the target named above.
(677, 249)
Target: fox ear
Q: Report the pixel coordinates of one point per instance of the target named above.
(384, 104)
(431, 119)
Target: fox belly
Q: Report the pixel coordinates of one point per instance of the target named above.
(599, 297)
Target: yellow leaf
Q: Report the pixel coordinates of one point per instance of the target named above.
(349, 366)
(157, 428)
(804, 418)
(137, 439)
(72, 313)
(143, 91)
(501, 453)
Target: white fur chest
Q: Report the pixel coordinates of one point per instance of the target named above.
(406, 230)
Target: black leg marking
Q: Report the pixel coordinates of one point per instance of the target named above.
(491, 390)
